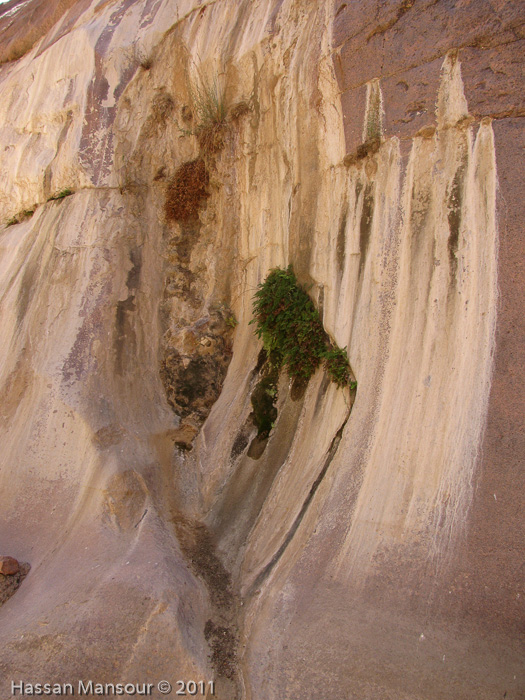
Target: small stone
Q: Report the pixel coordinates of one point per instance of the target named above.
(9, 566)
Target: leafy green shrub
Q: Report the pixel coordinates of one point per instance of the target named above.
(288, 324)
(292, 333)
(337, 365)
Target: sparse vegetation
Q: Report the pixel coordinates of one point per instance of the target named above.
(231, 321)
(61, 195)
(146, 62)
(209, 112)
(140, 57)
(187, 191)
(21, 216)
(292, 332)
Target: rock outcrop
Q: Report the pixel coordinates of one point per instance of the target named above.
(12, 573)
(369, 546)
(9, 566)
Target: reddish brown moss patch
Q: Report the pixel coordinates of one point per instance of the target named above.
(187, 191)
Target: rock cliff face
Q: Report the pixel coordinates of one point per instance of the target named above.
(372, 545)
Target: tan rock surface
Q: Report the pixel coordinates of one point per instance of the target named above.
(366, 551)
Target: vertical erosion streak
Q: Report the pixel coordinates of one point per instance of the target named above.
(417, 484)
(474, 344)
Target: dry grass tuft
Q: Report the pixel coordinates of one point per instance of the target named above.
(187, 191)
(146, 63)
(210, 112)
(211, 138)
(144, 60)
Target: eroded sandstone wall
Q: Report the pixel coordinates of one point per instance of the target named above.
(371, 546)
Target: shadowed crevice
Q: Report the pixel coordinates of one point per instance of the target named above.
(313, 490)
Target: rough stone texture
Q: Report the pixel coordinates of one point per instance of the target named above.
(11, 580)
(8, 566)
(404, 43)
(489, 568)
(367, 551)
(488, 41)
(22, 24)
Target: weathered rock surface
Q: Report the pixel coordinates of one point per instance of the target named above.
(9, 566)
(372, 550)
(11, 578)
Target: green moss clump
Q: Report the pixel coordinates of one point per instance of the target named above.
(292, 332)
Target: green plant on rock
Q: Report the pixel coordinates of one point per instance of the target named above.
(337, 366)
(288, 324)
(292, 332)
(21, 216)
(61, 195)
